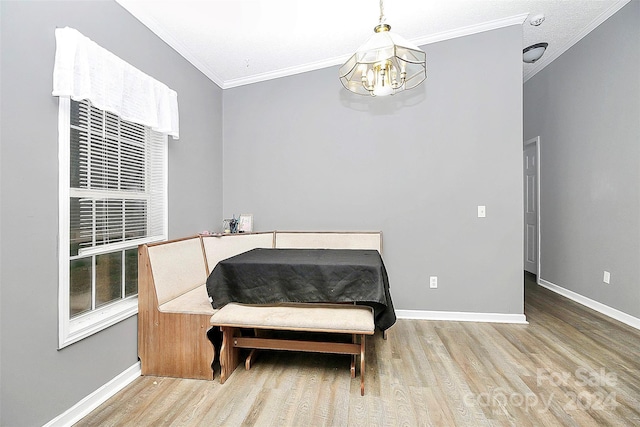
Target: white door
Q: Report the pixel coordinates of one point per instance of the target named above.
(530, 163)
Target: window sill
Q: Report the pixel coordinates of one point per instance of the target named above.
(96, 321)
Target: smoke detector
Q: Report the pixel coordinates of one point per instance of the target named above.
(536, 19)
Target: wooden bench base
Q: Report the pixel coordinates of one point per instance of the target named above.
(232, 342)
(357, 323)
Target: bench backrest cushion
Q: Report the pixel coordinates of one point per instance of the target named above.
(329, 240)
(178, 267)
(225, 246)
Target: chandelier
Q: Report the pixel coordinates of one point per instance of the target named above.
(385, 64)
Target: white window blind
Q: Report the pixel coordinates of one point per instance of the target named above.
(116, 181)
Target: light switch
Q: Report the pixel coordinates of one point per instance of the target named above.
(482, 211)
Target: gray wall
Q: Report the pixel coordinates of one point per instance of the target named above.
(586, 108)
(302, 153)
(39, 382)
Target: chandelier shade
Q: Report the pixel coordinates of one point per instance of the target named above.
(384, 65)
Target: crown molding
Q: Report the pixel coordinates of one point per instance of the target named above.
(442, 36)
(472, 29)
(149, 22)
(548, 59)
(140, 14)
(284, 72)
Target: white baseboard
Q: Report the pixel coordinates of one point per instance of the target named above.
(592, 304)
(459, 316)
(97, 398)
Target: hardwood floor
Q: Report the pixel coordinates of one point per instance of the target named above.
(570, 366)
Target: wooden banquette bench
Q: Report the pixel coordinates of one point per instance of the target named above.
(175, 311)
(173, 306)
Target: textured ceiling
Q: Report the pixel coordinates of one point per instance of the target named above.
(237, 42)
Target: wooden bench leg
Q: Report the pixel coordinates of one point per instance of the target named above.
(253, 355)
(228, 353)
(353, 357)
(215, 337)
(362, 368)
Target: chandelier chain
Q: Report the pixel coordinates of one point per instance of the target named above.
(382, 18)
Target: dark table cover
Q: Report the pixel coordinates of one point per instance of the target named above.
(269, 276)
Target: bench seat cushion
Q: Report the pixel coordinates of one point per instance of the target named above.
(196, 301)
(338, 318)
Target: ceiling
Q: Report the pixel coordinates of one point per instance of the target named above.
(237, 42)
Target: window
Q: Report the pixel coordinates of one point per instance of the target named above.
(112, 180)
(112, 198)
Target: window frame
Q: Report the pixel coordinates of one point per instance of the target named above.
(71, 330)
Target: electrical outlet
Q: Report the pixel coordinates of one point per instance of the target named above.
(606, 278)
(433, 282)
(482, 211)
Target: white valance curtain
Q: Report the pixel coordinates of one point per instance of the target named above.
(84, 70)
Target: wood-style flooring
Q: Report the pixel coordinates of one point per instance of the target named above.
(570, 366)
